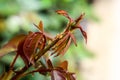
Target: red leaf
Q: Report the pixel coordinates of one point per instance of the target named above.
(60, 45)
(59, 48)
(85, 35)
(73, 38)
(64, 65)
(64, 13)
(40, 26)
(11, 45)
(31, 44)
(62, 40)
(79, 18)
(62, 48)
(41, 46)
(66, 48)
(83, 32)
(21, 53)
(56, 75)
(63, 45)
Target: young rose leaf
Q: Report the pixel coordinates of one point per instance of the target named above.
(40, 26)
(66, 48)
(31, 44)
(28, 39)
(60, 45)
(64, 13)
(11, 45)
(56, 75)
(21, 53)
(73, 38)
(59, 48)
(62, 48)
(62, 40)
(79, 19)
(41, 46)
(83, 33)
(64, 65)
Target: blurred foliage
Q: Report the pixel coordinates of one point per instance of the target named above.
(18, 16)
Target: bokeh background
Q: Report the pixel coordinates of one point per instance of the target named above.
(96, 60)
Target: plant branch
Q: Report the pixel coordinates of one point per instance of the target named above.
(12, 64)
(47, 48)
(24, 69)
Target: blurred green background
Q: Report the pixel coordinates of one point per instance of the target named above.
(18, 16)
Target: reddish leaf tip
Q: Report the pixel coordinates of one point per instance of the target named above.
(61, 12)
(64, 65)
